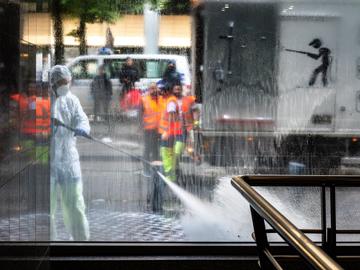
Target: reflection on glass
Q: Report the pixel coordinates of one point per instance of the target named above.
(238, 87)
(24, 131)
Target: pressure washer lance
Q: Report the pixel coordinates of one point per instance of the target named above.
(153, 165)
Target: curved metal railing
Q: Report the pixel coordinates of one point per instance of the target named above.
(313, 254)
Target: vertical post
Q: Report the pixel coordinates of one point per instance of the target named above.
(151, 30)
(261, 239)
(229, 38)
(323, 216)
(332, 236)
(158, 188)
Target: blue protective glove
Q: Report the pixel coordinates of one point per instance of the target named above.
(80, 132)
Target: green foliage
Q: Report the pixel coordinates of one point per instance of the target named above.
(94, 11)
(174, 7)
(90, 11)
(128, 6)
(74, 33)
(98, 11)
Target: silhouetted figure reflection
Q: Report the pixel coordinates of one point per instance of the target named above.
(324, 54)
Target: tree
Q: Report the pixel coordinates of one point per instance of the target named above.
(173, 7)
(56, 15)
(97, 11)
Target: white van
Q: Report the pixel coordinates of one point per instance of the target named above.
(150, 66)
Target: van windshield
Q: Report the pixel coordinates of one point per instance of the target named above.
(85, 69)
(148, 68)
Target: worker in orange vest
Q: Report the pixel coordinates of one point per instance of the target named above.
(171, 130)
(32, 114)
(24, 104)
(36, 115)
(189, 116)
(188, 112)
(150, 115)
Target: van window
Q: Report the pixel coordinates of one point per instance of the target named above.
(147, 68)
(113, 67)
(155, 68)
(84, 69)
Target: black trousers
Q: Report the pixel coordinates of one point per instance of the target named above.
(151, 145)
(101, 106)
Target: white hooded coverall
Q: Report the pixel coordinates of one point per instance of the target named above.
(65, 165)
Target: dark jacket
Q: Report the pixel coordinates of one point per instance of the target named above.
(171, 77)
(101, 87)
(128, 76)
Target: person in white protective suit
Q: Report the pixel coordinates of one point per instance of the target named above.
(64, 158)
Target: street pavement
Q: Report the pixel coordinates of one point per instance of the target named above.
(117, 194)
(118, 179)
(105, 225)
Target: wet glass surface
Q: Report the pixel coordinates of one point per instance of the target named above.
(267, 88)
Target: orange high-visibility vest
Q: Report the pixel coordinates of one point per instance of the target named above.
(152, 113)
(43, 116)
(21, 102)
(172, 128)
(28, 117)
(34, 114)
(186, 109)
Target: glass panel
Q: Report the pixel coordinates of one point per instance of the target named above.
(24, 127)
(347, 213)
(300, 205)
(165, 103)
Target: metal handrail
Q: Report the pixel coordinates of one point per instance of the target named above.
(306, 248)
(302, 180)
